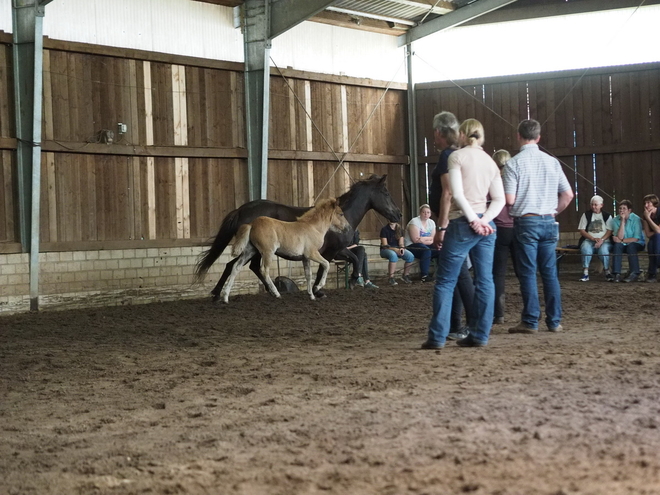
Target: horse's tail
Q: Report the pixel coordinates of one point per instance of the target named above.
(227, 231)
(242, 239)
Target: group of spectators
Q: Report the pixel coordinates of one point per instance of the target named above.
(488, 209)
(612, 237)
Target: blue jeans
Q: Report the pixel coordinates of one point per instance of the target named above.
(587, 249)
(463, 299)
(460, 240)
(536, 241)
(393, 256)
(424, 254)
(633, 260)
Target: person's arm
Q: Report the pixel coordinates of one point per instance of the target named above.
(445, 204)
(413, 232)
(497, 200)
(650, 227)
(565, 198)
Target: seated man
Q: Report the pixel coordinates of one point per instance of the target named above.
(628, 237)
(596, 229)
(652, 231)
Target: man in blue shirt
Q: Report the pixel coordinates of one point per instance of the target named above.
(537, 188)
(628, 237)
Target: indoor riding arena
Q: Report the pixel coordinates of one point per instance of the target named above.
(146, 125)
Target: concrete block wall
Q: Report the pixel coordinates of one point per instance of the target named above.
(137, 276)
(130, 276)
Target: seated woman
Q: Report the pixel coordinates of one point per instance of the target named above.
(420, 234)
(391, 248)
(360, 275)
(652, 231)
(628, 237)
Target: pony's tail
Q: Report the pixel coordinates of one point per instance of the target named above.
(227, 231)
(242, 239)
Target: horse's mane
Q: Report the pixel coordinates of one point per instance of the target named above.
(357, 187)
(324, 207)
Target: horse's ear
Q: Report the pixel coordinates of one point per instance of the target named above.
(382, 179)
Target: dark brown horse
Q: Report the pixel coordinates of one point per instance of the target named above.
(363, 196)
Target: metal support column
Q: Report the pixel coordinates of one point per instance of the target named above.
(412, 137)
(27, 18)
(257, 93)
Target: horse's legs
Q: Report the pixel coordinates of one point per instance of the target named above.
(238, 265)
(255, 266)
(323, 269)
(218, 287)
(308, 277)
(265, 272)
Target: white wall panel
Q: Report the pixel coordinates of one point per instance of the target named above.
(184, 27)
(328, 49)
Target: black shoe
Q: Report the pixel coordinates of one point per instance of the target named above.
(469, 341)
(425, 278)
(616, 278)
(609, 277)
(631, 278)
(432, 345)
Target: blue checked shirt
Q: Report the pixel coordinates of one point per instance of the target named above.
(536, 179)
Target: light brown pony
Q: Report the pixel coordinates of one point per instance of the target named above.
(299, 241)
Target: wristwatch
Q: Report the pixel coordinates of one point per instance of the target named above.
(441, 229)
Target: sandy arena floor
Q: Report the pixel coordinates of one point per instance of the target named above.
(290, 396)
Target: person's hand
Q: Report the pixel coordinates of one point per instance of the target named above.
(438, 239)
(624, 216)
(616, 239)
(598, 243)
(481, 227)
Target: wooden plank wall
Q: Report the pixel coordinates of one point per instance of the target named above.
(172, 176)
(9, 236)
(603, 125)
(181, 165)
(329, 122)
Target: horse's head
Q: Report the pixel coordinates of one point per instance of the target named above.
(381, 200)
(338, 223)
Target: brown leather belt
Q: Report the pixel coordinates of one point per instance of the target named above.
(535, 215)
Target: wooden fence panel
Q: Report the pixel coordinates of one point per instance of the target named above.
(6, 92)
(607, 117)
(8, 198)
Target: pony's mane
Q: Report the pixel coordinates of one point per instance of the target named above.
(322, 208)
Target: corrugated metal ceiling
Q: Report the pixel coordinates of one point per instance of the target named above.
(405, 11)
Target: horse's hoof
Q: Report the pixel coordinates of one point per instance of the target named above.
(215, 298)
(319, 295)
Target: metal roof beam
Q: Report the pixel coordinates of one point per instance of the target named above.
(455, 18)
(285, 14)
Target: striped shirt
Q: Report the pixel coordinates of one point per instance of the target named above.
(536, 179)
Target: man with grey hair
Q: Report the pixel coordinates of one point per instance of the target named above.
(595, 227)
(537, 188)
(445, 135)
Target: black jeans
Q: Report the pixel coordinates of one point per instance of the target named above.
(361, 265)
(504, 245)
